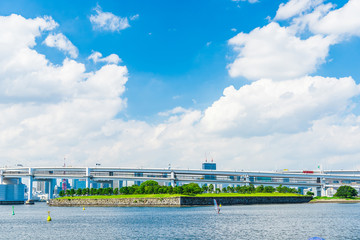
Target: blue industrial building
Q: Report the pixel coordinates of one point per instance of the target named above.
(12, 192)
(209, 166)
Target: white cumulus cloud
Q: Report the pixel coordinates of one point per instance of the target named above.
(266, 107)
(108, 21)
(46, 109)
(97, 57)
(62, 43)
(342, 21)
(276, 52)
(295, 8)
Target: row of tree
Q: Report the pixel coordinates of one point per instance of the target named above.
(153, 187)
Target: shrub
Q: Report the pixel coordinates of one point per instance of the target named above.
(309, 193)
(346, 192)
(260, 189)
(191, 188)
(269, 189)
(61, 193)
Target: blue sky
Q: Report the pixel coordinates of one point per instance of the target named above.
(255, 84)
(171, 67)
(183, 62)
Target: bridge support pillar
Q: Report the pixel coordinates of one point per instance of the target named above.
(318, 192)
(323, 188)
(88, 177)
(173, 184)
(31, 179)
(30, 189)
(51, 188)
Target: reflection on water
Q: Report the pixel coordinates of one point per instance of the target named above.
(287, 221)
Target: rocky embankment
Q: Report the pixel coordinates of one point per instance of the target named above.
(174, 201)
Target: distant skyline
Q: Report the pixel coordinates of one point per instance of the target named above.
(254, 85)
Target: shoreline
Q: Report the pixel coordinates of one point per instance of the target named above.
(334, 201)
(176, 201)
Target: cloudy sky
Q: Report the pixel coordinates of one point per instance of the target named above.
(254, 85)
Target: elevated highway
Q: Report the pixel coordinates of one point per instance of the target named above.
(320, 180)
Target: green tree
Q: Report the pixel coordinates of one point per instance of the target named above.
(224, 190)
(84, 191)
(61, 193)
(72, 192)
(242, 189)
(169, 190)
(124, 190)
(160, 190)
(218, 190)
(79, 191)
(157, 189)
(346, 192)
(211, 188)
(294, 190)
(309, 193)
(269, 189)
(191, 188)
(116, 191)
(93, 191)
(230, 189)
(204, 188)
(178, 190)
(260, 189)
(150, 183)
(251, 188)
(137, 189)
(282, 189)
(149, 190)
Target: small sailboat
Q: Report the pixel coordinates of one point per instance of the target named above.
(217, 208)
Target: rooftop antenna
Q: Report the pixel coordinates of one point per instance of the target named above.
(205, 157)
(212, 159)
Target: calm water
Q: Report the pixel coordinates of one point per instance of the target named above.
(288, 221)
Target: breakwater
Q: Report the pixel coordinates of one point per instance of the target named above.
(174, 201)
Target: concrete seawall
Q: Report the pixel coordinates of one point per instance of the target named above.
(242, 200)
(174, 201)
(11, 202)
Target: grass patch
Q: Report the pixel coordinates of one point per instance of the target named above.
(333, 198)
(178, 195)
(124, 196)
(276, 194)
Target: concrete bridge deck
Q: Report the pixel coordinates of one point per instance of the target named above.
(317, 179)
